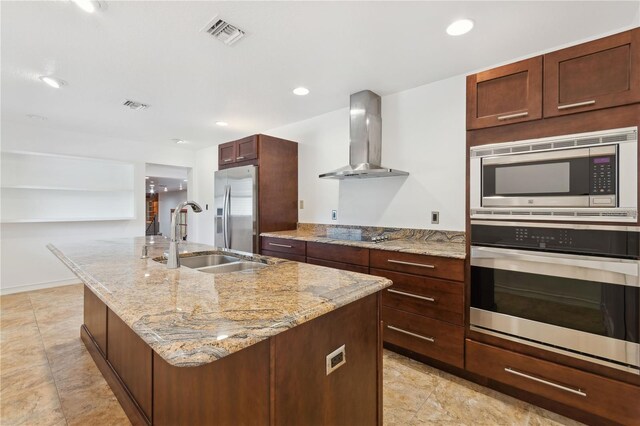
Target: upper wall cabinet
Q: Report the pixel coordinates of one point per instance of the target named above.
(504, 95)
(244, 149)
(595, 75)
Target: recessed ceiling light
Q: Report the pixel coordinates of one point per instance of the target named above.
(459, 27)
(36, 117)
(222, 123)
(53, 82)
(186, 180)
(301, 91)
(166, 189)
(146, 177)
(88, 6)
(179, 140)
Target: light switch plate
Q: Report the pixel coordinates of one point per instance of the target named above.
(334, 214)
(301, 204)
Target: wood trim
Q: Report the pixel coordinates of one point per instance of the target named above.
(131, 409)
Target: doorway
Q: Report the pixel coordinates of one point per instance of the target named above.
(165, 188)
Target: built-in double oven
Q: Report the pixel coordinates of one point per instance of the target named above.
(565, 286)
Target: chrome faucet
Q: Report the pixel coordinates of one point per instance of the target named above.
(173, 260)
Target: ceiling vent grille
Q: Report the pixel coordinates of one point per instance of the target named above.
(137, 106)
(224, 31)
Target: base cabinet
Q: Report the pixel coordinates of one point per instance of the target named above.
(325, 371)
(609, 399)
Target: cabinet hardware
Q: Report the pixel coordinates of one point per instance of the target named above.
(428, 339)
(516, 115)
(280, 245)
(422, 265)
(228, 159)
(429, 299)
(577, 104)
(545, 382)
(240, 158)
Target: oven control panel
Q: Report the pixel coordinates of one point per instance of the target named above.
(565, 239)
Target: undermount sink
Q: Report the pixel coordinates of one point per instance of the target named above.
(205, 260)
(233, 267)
(219, 263)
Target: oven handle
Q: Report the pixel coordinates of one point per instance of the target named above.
(612, 270)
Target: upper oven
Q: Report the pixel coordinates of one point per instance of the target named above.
(589, 176)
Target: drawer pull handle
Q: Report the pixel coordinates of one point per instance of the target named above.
(429, 299)
(280, 245)
(239, 158)
(545, 382)
(516, 115)
(428, 339)
(577, 104)
(228, 159)
(422, 265)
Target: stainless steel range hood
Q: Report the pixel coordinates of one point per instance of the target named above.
(365, 147)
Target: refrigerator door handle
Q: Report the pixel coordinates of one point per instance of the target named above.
(225, 216)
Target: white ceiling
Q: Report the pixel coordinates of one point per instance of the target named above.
(155, 52)
(160, 183)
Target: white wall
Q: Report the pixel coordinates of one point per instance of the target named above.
(24, 260)
(423, 133)
(203, 223)
(166, 202)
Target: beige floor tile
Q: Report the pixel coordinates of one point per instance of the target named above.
(34, 405)
(15, 303)
(25, 353)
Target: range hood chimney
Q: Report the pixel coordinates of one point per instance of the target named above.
(365, 147)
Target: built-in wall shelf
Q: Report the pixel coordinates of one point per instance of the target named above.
(39, 187)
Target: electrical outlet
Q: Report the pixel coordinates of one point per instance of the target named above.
(301, 204)
(334, 214)
(435, 217)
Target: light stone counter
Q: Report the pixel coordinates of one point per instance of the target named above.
(416, 241)
(191, 318)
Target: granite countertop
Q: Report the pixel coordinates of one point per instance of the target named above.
(192, 318)
(432, 243)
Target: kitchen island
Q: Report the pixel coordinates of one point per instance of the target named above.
(260, 346)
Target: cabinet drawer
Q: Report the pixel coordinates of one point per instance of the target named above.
(508, 94)
(282, 255)
(599, 74)
(338, 265)
(431, 297)
(283, 245)
(426, 336)
(338, 253)
(431, 266)
(603, 397)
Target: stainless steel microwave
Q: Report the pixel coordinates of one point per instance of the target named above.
(587, 176)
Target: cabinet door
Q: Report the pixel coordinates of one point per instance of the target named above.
(595, 75)
(247, 149)
(505, 95)
(226, 153)
(95, 318)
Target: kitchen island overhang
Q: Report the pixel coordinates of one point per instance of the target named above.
(189, 330)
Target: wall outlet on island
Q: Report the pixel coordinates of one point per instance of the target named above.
(334, 214)
(301, 204)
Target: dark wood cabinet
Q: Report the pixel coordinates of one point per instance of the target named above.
(226, 153)
(418, 264)
(603, 397)
(284, 246)
(231, 391)
(131, 359)
(426, 336)
(240, 152)
(599, 74)
(505, 95)
(338, 254)
(95, 319)
(345, 396)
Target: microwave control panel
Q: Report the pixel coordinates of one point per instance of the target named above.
(603, 175)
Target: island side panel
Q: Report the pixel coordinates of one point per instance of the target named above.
(95, 319)
(233, 390)
(347, 396)
(131, 358)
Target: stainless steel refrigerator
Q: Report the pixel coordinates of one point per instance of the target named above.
(236, 208)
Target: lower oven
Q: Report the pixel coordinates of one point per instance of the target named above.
(573, 289)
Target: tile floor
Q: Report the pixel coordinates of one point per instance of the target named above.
(48, 378)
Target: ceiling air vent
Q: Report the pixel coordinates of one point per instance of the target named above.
(137, 106)
(224, 31)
